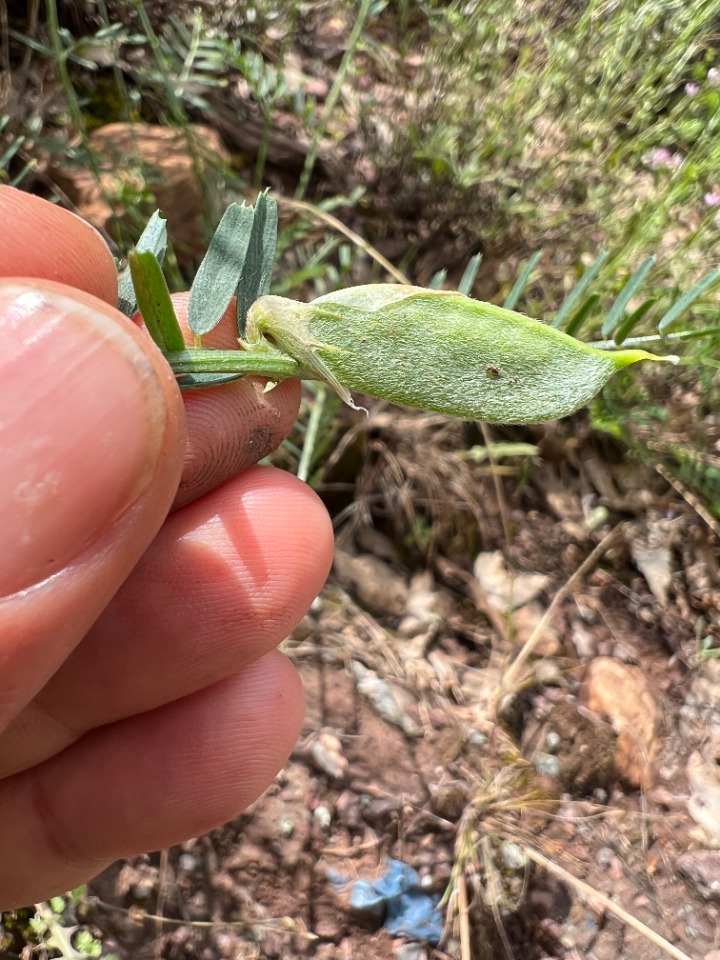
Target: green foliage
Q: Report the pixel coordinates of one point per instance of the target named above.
(430, 349)
(54, 928)
(582, 127)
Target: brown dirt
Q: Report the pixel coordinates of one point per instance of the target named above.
(453, 777)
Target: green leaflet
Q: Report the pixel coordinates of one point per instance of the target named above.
(436, 350)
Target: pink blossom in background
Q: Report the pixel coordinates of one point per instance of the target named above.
(691, 89)
(713, 76)
(662, 157)
(712, 199)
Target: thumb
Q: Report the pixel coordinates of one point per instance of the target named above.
(92, 434)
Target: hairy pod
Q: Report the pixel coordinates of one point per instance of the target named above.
(436, 350)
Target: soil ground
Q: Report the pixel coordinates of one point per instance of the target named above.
(406, 753)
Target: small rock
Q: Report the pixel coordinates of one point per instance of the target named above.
(546, 764)
(651, 544)
(513, 856)
(703, 773)
(701, 869)
(326, 753)
(286, 827)
(422, 611)
(410, 951)
(621, 693)
(323, 815)
(506, 589)
(347, 810)
(605, 856)
(377, 586)
(584, 641)
(450, 799)
(552, 741)
(144, 156)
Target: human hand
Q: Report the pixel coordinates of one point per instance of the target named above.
(142, 701)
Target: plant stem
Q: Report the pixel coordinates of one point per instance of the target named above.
(332, 97)
(311, 433)
(632, 342)
(274, 366)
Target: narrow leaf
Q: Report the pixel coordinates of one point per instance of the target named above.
(468, 278)
(629, 324)
(269, 245)
(438, 280)
(154, 302)
(522, 281)
(259, 260)
(623, 298)
(579, 289)
(687, 298)
(153, 239)
(199, 381)
(218, 274)
(581, 315)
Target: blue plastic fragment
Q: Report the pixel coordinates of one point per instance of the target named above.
(397, 894)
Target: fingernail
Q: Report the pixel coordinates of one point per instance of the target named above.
(82, 416)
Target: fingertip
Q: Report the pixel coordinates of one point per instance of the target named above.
(44, 241)
(231, 428)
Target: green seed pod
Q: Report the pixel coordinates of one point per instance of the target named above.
(436, 350)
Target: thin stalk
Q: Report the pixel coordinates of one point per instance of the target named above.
(313, 426)
(61, 64)
(511, 676)
(60, 936)
(592, 893)
(274, 366)
(332, 98)
(633, 342)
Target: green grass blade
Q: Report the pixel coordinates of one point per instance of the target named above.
(438, 280)
(522, 281)
(218, 275)
(153, 240)
(578, 290)
(154, 302)
(681, 305)
(468, 278)
(623, 298)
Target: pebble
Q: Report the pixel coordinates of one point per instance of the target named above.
(605, 856)
(546, 764)
(410, 951)
(552, 742)
(513, 856)
(323, 816)
(701, 869)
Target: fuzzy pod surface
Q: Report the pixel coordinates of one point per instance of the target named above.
(436, 350)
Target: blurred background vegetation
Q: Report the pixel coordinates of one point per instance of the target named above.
(550, 141)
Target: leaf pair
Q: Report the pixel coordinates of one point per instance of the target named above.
(238, 263)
